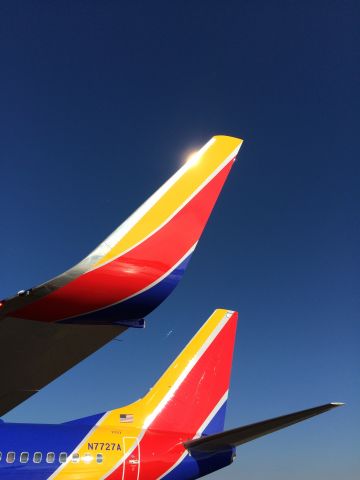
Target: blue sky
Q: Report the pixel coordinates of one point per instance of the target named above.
(100, 104)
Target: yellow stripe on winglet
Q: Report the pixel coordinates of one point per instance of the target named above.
(181, 186)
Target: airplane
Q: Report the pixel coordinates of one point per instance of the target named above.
(176, 431)
(48, 329)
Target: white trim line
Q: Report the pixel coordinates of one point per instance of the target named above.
(171, 392)
(199, 432)
(139, 455)
(125, 457)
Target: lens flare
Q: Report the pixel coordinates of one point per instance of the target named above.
(193, 159)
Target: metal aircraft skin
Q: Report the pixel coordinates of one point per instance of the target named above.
(176, 431)
(48, 329)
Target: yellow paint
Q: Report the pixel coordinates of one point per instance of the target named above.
(220, 148)
(111, 430)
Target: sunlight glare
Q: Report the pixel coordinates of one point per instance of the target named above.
(193, 159)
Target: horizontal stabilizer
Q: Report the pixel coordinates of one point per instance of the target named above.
(238, 436)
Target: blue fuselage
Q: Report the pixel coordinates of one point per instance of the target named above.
(27, 449)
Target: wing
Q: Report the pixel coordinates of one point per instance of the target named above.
(115, 286)
(32, 354)
(238, 436)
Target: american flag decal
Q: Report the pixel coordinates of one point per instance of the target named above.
(126, 417)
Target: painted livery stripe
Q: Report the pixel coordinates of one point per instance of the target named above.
(173, 194)
(199, 432)
(133, 272)
(88, 435)
(140, 304)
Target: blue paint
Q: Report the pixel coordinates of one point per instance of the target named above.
(39, 438)
(217, 423)
(90, 420)
(199, 464)
(136, 307)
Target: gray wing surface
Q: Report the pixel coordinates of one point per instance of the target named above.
(247, 433)
(33, 354)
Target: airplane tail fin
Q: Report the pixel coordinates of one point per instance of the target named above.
(187, 401)
(141, 262)
(191, 395)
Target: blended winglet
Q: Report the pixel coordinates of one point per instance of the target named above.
(142, 261)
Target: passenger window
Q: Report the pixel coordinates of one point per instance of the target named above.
(50, 457)
(75, 458)
(62, 457)
(24, 457)
(99, 458)
(87, 458)
(10, 457)
(37, 457)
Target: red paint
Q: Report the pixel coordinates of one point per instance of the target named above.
(131, 466)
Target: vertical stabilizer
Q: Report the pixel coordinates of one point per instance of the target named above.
(188, 401)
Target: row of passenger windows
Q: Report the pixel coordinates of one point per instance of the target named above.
(51, 457)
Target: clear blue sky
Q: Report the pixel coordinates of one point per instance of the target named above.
(101, 102)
